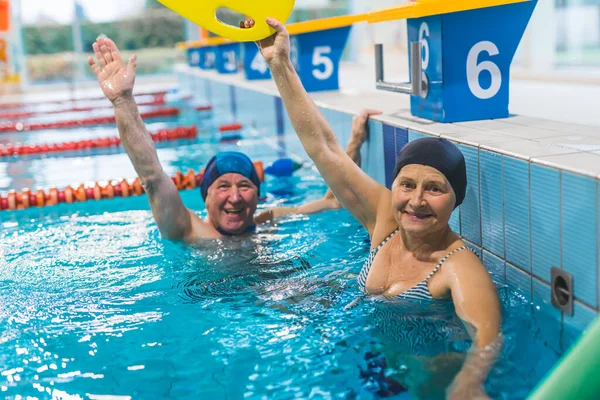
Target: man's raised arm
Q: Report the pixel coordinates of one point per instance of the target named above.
(116, 79)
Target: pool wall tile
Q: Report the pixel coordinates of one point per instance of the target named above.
(545, 316)
(245, 111)
(475, 248)
(233, 101)
(279, 115)
(579, 231)
(492, 204)
(496, 266)
(257, 110)
(414, 135)
(582, 317)
(335, 119)
(198, 89)
(265, 120)
(221, 102)
(208, 91)
(389, 153)
(340, 126)
(516, 208)
(545, 221)
(470, 217)
(519, 279)
(455, 221)
(372, 161)
(401, 137)
(344, 128)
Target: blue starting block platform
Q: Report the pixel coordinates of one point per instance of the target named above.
(463, 52)
(466, 59)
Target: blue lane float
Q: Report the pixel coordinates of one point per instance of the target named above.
(282, 167)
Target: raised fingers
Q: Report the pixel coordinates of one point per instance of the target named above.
(278, 26)
(114, 51)
(365, 114)
(247, 24)
(106, 53)
(94, 67)
(99, 55)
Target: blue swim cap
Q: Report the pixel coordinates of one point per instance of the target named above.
(440, 154)
(228, 162)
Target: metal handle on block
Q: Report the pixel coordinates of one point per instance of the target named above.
(418, 85)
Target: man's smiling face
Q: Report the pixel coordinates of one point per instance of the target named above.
(231, 202)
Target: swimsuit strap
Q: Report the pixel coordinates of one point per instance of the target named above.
(364, 272)
(376, 249)
(437, 267)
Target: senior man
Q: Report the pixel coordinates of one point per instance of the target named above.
(230, 186)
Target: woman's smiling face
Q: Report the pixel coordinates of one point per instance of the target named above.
(422, 199)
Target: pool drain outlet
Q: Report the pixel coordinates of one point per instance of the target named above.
(562, 290)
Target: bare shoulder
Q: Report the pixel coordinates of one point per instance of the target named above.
(465, 262)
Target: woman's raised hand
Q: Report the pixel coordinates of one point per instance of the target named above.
(116, 79)
(276, 47)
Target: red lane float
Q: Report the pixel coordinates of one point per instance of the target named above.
(204, 108)
(35, 103)
(230, 127)
(159, 100)
(82, 193)
(22, 126)
(160, 136)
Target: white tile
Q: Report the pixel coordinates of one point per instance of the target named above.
(476, 137)
(494, 125)
(526, 149)
(598, 153)
(581, 163)
(565, 127)
(577, 142)
(503, 127)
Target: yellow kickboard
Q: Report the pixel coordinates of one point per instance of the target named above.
(426, 8)
(204, 14)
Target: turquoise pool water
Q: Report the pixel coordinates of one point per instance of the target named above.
(94, 303)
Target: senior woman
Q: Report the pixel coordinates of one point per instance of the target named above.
(414, 252)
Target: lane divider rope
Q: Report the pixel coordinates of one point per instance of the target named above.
(159, 100)
(162, 135)
(68, 101)
(90, 192)
(10, 127)
(230, 127)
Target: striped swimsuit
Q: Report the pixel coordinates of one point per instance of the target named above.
(420, 291)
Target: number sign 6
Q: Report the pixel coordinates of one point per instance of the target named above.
(474, 70)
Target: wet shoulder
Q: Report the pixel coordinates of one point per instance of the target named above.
(461, 259)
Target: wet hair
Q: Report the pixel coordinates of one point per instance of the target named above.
(228, 162)
(440, 154)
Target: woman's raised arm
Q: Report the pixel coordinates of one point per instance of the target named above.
(357, 192)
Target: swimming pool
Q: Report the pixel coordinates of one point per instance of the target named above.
(93, 302)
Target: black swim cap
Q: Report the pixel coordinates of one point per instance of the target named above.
(440, 154)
